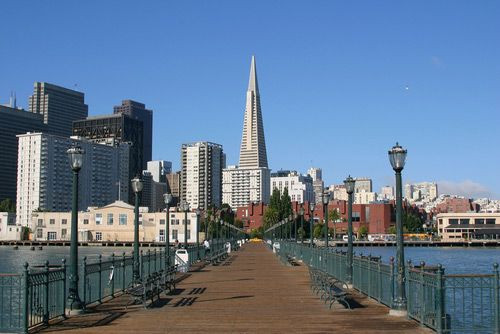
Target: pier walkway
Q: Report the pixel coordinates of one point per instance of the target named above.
(251, 292)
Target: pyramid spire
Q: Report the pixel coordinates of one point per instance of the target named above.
(253, 145)
(252, 82)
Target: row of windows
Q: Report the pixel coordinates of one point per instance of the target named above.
(477, 221)
(122, 220)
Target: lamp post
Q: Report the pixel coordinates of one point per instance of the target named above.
(349, 186)
(312, 205)
(137, 188)
(326, 200)
(301, 213)
(198, 213)
(75, 155)
(397, 157)
(185, 208)
(168, 199)
(295, 217)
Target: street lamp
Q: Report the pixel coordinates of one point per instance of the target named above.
(349, 186)
(301, 213)
(312, 205)
(326, 200)
(185, 208)
(75, 155)
(198, 213)
(168, 200)
(137, 188)
(397, 157)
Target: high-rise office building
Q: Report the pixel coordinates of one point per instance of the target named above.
(114, 130)
(14, 121)
(315, 173)
(159, 170)
(137, 110)
(318, 184)
(58, 106)
(174, 187)
(250, 181)
(362, 184)
(300, 187)
(201, 175)
(44, 176)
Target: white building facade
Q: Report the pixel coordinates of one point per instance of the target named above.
(300, 187)
(9, 230)
(44, 176)
(241, 186)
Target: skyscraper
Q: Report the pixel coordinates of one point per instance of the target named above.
(250, 181)
(59, 107)
(253, 144)
(138, 111)
(201, 175)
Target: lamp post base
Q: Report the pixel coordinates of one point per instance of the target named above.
(398, 313)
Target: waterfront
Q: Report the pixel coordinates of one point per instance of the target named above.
(455, 260)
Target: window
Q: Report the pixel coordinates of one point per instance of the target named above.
(440, 222)
(490, 221)
(52, 221)
(51, 235)
(40, 222)
(453, 221)
(64, 232)
(64, 221)
(85, 222)
(39, 233)
(98, 236)
(175, 234)
(98, 218)
(122, 219)
(189, 234)
(162, 221)
(464, 221)
(479, 221)
(110, 219)
(162, 236)
(189, 221)
(356, 217)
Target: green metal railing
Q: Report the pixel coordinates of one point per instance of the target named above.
(445, 303)
(11, 303)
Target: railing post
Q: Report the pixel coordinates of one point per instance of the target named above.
(422, 293)
(149, 262)
(391, 264)
(64, 289)
(99, 285)
(46, 296)
(496, 302)
(440, 296)
(26, 288)
(85, 281)
(113, 280)
(141, 262)
(123, 272)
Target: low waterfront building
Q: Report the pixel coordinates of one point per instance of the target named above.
(468, 226)
(113, 222)
(9, 230)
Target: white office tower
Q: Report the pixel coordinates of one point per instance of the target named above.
(300, 187)
(249, 182)
(45, 178)
(201, 174)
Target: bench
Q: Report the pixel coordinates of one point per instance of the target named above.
(217, 257)
(330, 289)
(168, 277)
(145, 289)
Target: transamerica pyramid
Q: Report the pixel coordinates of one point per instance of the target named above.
(253, 145)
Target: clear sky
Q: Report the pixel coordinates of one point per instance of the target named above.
(340, 81)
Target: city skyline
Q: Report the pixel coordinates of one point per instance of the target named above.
(443, 101)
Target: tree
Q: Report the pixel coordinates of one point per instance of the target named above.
(334, 217)
(392, 229)
(362, 231)
(318, 230)
(271, 217)
(302, 233)
(7, 205)
(412, 223)
(275, 200)
(285, 205)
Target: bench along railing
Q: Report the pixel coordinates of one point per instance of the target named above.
(445, 303)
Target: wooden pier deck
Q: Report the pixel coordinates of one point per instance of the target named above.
(252, 292)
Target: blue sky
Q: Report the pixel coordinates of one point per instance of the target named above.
(340, 81)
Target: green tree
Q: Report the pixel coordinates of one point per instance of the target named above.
(275, 200)
(412, 223)
(7, 205)
(318, 230)
(302, 233)
(362, 231)
(285, 205)
(392, 229)
(271, 217)
(334, 217)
